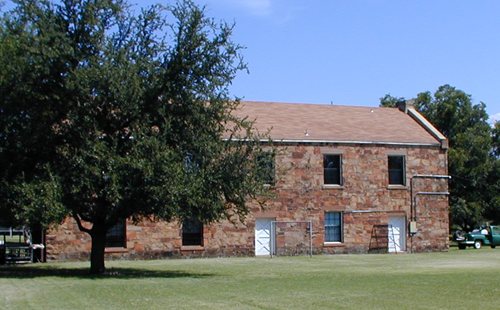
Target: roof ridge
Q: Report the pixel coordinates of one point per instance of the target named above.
(315, 104)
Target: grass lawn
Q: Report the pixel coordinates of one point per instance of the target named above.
(468, 279)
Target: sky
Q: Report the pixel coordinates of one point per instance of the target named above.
(353, 52)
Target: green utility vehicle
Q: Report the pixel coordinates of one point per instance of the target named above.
(488, 235)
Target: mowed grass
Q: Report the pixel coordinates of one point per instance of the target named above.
(467, 279)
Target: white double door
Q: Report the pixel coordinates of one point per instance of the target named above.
(264, 241)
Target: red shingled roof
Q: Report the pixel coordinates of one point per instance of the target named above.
(333, 123)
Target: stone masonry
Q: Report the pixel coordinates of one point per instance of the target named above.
(365, 199)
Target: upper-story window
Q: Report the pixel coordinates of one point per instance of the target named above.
(397, 170)
(266, 168)
(332, 169)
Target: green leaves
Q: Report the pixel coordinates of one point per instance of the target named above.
(35, 201)
(100, 109)
(112, 103)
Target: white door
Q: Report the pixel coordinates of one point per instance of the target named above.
(263, 239)
(397, 234)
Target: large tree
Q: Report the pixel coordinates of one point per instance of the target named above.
(106, 114)
(470, 157)
(493, 210)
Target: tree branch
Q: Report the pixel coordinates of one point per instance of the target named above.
(79, 223)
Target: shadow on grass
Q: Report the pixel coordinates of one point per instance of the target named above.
(30, 271)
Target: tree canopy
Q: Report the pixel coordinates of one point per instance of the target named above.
(475, 183)
(108, 114)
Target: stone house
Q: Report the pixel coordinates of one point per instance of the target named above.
(345, 180)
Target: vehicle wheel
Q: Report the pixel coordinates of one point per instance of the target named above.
(461, 246)
(477, 244)
(493, 246)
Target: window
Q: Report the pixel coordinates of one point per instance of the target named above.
(397, 170)
(116, 236)
(266, 168)
(333, 227)
(192, 232)
(332, 169)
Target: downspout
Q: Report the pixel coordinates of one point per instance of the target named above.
(413, 199)
(413, 203)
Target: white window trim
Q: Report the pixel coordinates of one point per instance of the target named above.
(341, 228)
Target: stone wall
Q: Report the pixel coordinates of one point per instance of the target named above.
(365, 198)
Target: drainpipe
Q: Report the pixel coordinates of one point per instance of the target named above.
(413, 200)
(413, 203)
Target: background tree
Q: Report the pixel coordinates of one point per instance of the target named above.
(493, 210)
(470, 157)
(106, 114)
(389, 101)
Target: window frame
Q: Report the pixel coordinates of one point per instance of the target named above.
(401, 171)
(338, 169)
(339, 227)
(118, 235)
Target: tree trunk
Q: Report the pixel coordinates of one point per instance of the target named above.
(98, 235)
